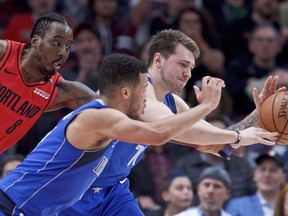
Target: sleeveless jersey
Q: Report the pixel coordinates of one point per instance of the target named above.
(21, 104)
(55, 174)
(106, 196)
(126, 156)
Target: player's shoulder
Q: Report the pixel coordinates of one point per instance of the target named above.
(3, 48)
(180, 103)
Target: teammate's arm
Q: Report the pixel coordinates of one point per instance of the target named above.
(94, 125)
(72, 94)
(201, 133)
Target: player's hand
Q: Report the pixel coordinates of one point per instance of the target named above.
(268, 89)
(254, 135)
(218, 150)
(210, 92)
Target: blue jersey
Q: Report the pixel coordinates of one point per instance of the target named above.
(126, 156)
(55, 174)
(102, 198)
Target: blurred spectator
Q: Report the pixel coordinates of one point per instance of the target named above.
(75, 9)
(225, 12)
(9, 163)
(281, 208)
(8, 9)
(176, 193)
(236, 37)
(156, 164)
(211, 61)
(239, 170)
(116, 34)
(213, 189)
(88, 56)
(165, 19)
(20, 26)
(269, 176)
(141, 12)
(143, 52)
(264, 44)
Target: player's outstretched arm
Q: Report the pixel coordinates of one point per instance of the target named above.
(72, 94)
(94, 125)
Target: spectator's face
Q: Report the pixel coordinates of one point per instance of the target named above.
(266, 8)
(265, 44)
(269, 177)
(190, 24)
(176, 69)
(179, 193)
(105, 8)
(212, 194)
(10, 166)
(41, 7)
(88, 44)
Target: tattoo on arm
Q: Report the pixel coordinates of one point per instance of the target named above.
(250, 121)
(81, 93)
(72, 94)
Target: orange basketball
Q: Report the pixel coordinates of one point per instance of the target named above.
(274, 117)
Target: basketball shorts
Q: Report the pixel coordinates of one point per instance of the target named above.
(116, 200)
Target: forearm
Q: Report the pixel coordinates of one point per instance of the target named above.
(203, 133)
(250, 121)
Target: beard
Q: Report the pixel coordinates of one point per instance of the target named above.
(40, 65)
(169, 84)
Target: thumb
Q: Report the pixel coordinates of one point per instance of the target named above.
(196, 90)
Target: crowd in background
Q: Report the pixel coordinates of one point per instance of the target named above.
(241, 41)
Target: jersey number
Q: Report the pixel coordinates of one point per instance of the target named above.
(139, 149)
(14, 126)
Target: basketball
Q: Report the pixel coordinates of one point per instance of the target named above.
(273, 115)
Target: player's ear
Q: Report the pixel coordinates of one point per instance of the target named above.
(157, 59)
(125, 92)
(35, 41)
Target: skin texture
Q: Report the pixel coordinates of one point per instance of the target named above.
(171, 75)
(39, 62)
(94, 129)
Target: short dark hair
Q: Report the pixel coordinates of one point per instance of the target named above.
(43, 24)
(117, 70)
(171, 177)
(86, 26)
(166, 41)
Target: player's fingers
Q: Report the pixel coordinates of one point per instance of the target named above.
(223, 155)
(274, 83)
(266, 142)
(283, 88)
(234, 151)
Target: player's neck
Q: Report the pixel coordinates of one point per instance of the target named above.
(158, 83)
(30, 73)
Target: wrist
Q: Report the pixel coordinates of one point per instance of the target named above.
(236, 144)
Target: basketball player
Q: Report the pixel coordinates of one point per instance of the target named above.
(172, 54)
(29, 81)
(75, 152)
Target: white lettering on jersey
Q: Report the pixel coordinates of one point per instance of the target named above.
(41, 93)
(139, 149)
(100, 166)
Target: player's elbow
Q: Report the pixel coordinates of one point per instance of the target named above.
(161, 137)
